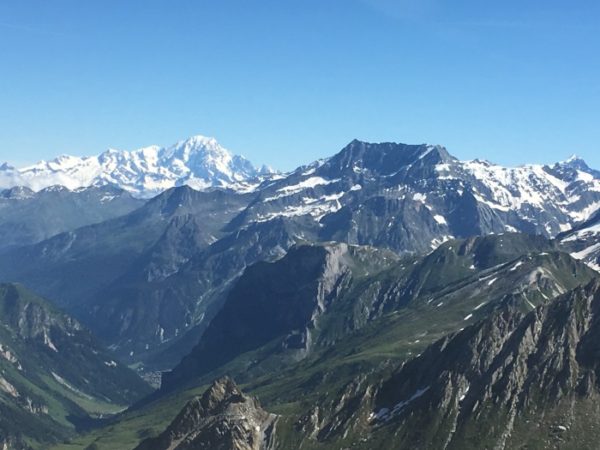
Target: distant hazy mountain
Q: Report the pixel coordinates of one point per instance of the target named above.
(199, 162)
(27, 217)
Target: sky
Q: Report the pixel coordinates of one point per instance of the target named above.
(285, 82)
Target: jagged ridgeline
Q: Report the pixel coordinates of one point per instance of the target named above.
(316, 296)
(222, 418)
(54, 376)
(367, 299)
(321, 334)
(513, 380)
(155, 277)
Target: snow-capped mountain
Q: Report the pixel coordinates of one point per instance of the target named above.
(405, 198)
(400, 195)
(200, 162)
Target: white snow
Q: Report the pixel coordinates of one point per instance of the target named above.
(464, 394)
(48, 342)
(305, 184)
(68, 385)
(440, 219)
(315, 207)
(585, 177)
(436, 242)
(584, 232)
(530, 186)
(202, 163)
(586, 252)
(386, 414)
(426, 152)
(516, 266)
(594, 266)
(199, 161)
(585, 213)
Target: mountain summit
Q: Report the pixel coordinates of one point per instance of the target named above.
(200, 162)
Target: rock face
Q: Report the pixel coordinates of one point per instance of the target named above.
(510, 381)
(318, 295)
(222, 419)
(155, 277)
(412, 197)
(272, 300)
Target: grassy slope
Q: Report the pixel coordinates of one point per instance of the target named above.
(373, 350)
(64, 387)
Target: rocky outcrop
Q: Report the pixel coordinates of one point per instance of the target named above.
(223, 418)
(490, 385)
(318, 295)
(281, 300)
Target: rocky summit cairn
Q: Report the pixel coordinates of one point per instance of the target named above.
(223, 418)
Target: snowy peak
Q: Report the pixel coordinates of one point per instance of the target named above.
(206, 158)
(385, 158)
(574, 169)
(200, 162)
(574, 161)
(393, 192)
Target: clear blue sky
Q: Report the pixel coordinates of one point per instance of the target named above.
(285, 82)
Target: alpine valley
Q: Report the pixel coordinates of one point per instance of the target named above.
(390, 296)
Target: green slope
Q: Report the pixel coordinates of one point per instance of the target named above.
(54, 376)
(376, 320)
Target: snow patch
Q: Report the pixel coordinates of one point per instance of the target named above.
(516, 266)
(386, 414)
(305, 184)
(440, 219)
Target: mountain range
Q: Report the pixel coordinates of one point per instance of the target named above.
(200, 162)
(327, 292)
(155, 277)
(28, 217)
(349, 357)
